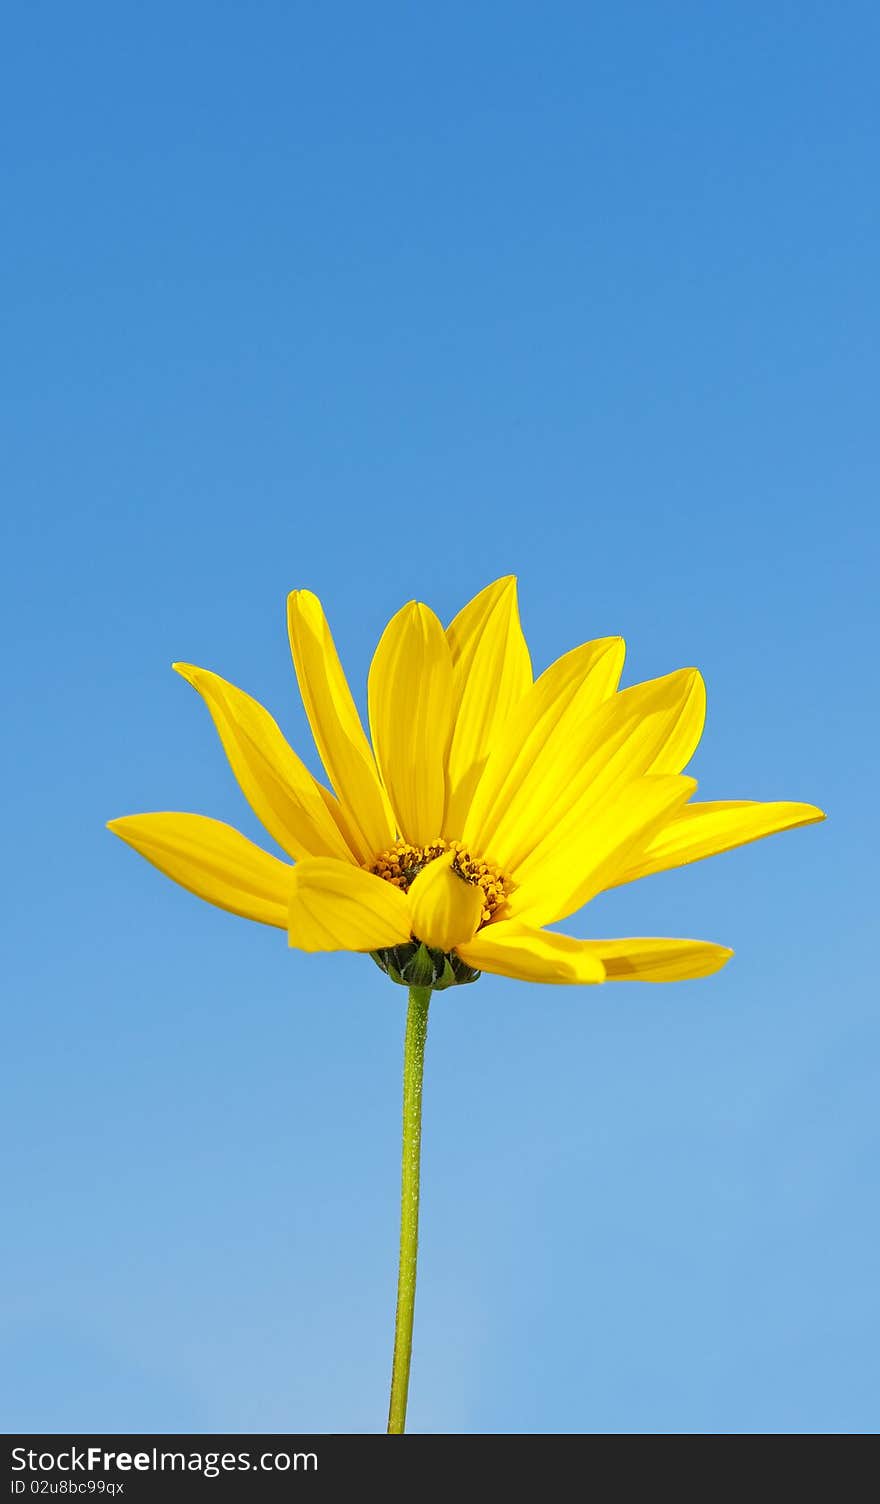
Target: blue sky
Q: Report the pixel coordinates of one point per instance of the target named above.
(387, 301)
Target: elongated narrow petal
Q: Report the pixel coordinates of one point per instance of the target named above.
(682, 737)
(445, 910)
(584, 854)
(560, 768)
(554, 711)
(703, 830)
(212, 860)
(513, 949)
(336, 726)
(659, 960)
(278, 787)
(334, 906)
(410, 702)
(491, 673)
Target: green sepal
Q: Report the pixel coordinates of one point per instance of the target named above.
(421, 968)
(416, 965)
(446, 978)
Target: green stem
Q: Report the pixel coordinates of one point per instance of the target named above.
(413, 1067)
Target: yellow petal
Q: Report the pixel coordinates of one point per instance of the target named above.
(334, 906)
(410, 702)
(704, 830)
(278, 787)
(445, 910)
(585, 852)
(213, 861)
(659, 960)
(560, 767)
(491, 673)
(336, 727)
(555, 709)
(512, 949)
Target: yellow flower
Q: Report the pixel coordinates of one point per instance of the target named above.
(488, 806)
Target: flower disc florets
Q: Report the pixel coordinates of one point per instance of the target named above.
(401, 864)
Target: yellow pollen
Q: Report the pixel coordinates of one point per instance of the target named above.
(401, 863)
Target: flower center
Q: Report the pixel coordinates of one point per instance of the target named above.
(402, 863)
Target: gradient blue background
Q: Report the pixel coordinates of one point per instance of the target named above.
(386, 301)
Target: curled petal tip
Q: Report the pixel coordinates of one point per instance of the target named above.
(301, 596)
